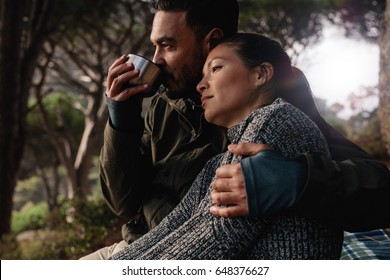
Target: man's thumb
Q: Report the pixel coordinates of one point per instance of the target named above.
(247, 149)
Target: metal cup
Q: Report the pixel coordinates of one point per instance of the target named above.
(149, 74)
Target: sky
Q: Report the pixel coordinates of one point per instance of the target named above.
(338, 66)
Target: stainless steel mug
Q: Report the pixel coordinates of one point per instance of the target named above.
(149, 74)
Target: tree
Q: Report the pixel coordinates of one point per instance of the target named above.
(77, 60)
(296, 24)
(371, 19)
(40, 157)
(384, 78)
(24, 26)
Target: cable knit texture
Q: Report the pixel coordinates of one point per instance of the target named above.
(190, 231)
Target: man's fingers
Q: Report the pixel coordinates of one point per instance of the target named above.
(228, 212)
(114, 70)
(229, 189)
(228, 197)
(221, 185)
(117, 62)
(248, 149)
(117, 69)
(125, 94)
(228, 170)
(116, 91)
(228, 185)
(118, 77)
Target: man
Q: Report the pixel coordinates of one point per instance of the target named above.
(147, 167)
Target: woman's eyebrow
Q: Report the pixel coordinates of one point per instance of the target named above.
(211, 61)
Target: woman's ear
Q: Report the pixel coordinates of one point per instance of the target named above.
(265, 73)
(211, 39)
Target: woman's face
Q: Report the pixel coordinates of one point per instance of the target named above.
(228, 87)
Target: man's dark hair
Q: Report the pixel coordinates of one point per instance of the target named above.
(204, 15)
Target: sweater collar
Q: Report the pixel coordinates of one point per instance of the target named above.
(235, 132)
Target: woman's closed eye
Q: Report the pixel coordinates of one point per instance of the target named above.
(215, 68)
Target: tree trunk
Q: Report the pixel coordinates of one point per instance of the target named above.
(12, 107)
(21, 41)
(384, 78)
(94, 125)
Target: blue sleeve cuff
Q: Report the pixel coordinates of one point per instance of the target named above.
(273, 183)
(125, 116)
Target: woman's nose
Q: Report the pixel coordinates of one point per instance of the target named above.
(201, 86)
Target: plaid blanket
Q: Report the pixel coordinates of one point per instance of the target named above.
(368, 245)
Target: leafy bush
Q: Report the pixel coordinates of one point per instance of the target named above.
(9, 248)
(31, 216)
(85, 228)
(70, 232)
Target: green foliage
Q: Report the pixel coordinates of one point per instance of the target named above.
(59, 106)
(83, 228)
(31, 216)
(9, 248)
(28, 189)
(295, 23)
(72, 231)
(68, 123)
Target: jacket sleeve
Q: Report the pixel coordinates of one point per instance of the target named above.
(268, 192)
(123, 165)
(351, 192)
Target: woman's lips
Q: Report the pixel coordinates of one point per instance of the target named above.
(204, 99)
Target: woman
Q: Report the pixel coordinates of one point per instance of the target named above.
(243, 79)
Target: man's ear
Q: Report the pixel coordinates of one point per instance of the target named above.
(265, 73)
(212, 38)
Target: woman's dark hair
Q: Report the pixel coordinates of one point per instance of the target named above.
(204, 15)
(254, 49)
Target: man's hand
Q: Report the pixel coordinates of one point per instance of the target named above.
(118, 74)
(229, 187)
(248, 149)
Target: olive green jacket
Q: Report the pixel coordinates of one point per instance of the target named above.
(148, 182)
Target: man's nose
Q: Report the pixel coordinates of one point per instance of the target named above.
(158, 58)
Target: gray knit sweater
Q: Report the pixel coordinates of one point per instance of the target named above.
(190, 231)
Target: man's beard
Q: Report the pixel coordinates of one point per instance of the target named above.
(186, 80)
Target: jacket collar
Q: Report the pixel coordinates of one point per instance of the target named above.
(188, 107)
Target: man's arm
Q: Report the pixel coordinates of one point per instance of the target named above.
(352, 193)
(121, 163)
